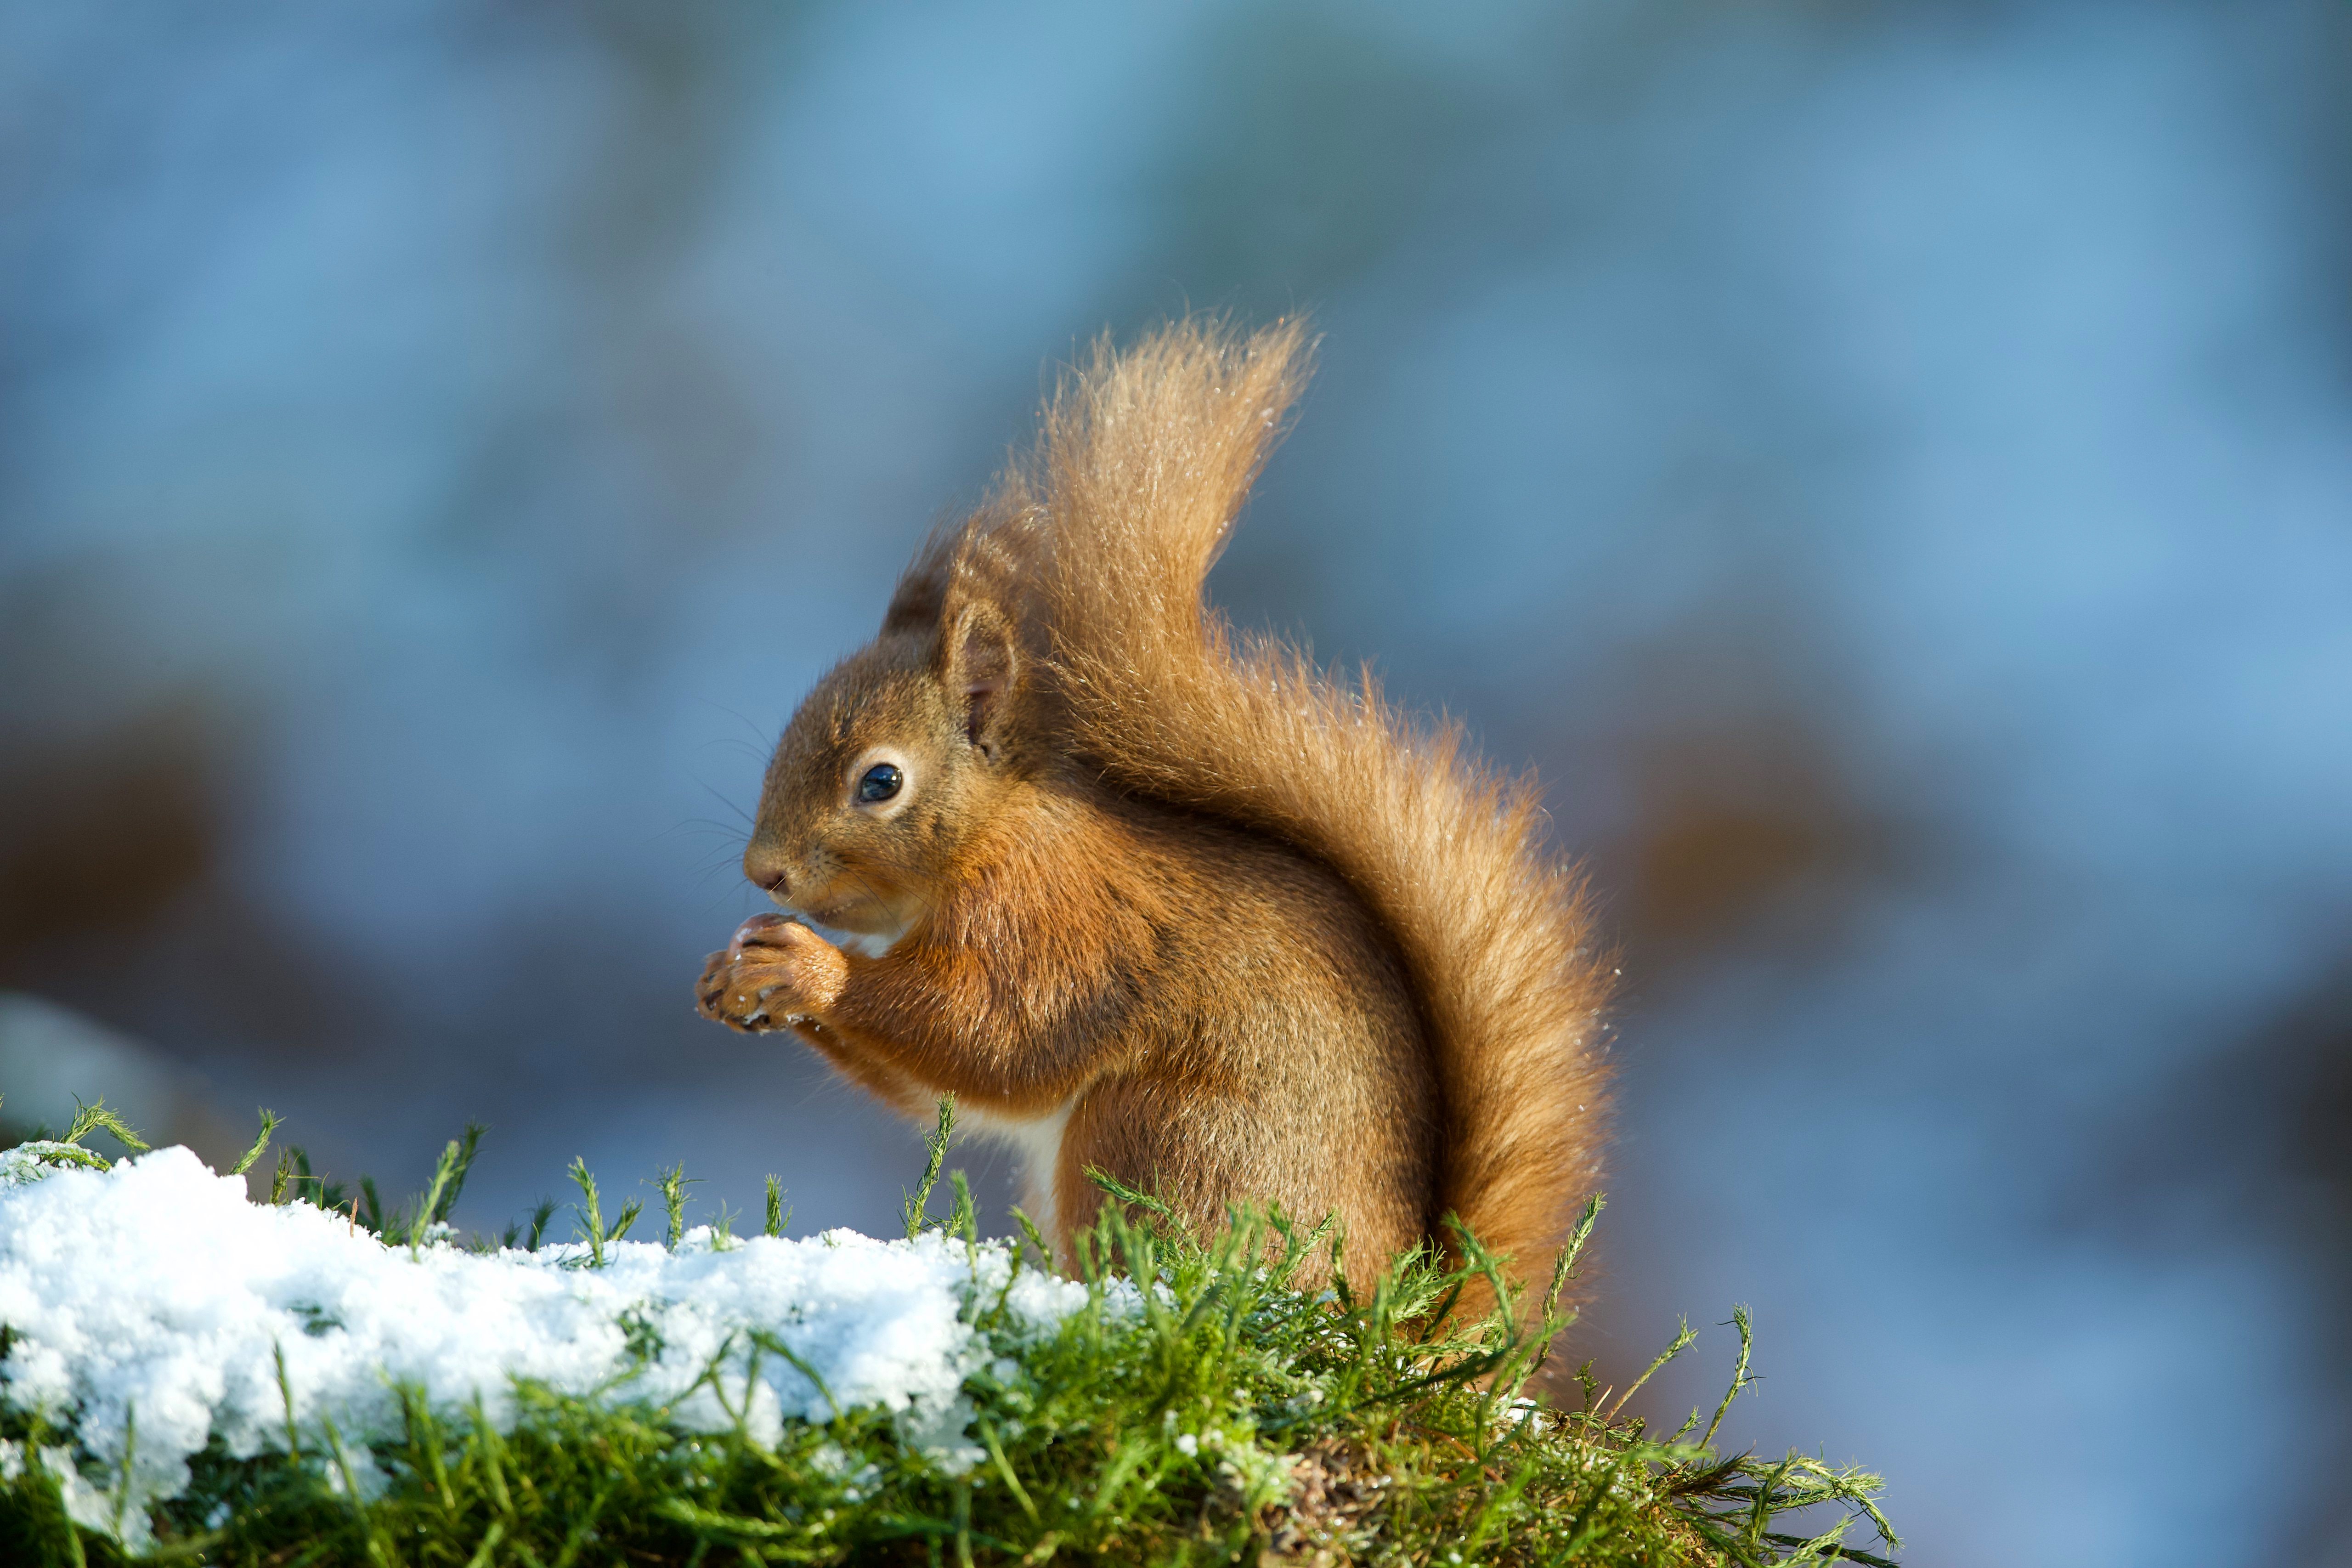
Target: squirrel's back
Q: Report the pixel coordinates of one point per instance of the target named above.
(1142, 465)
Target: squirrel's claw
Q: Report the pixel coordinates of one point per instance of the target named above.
(765, 928)
(774, 973)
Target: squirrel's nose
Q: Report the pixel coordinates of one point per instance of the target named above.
(768, 875)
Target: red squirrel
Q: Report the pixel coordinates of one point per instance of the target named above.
(1157, 900)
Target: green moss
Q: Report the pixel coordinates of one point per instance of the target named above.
(1221, 1415)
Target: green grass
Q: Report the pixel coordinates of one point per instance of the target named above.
(1231, 1416)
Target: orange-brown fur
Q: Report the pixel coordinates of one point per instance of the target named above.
(1253, 934)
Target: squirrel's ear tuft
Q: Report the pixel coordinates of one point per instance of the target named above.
(919, 601)
(978, 665)
(916, 604)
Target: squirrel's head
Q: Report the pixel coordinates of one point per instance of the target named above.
(887, 768)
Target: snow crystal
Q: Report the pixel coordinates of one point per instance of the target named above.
(152, 1306)
(29, 1161)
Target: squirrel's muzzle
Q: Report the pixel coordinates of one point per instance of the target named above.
(769, 875)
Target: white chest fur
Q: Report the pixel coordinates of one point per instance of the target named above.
(859, 942)
(1037, 1141)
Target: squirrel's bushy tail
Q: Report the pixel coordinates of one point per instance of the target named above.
(1143, 461)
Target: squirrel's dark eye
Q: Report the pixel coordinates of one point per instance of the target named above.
(881, 783)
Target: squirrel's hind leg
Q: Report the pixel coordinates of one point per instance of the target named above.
(1128, 1129)
(1204, 1153)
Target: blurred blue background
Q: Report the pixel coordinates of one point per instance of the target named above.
(1890, 468)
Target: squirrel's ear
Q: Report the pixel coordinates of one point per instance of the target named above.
(977, 664)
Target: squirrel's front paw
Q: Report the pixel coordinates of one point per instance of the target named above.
(775, 973)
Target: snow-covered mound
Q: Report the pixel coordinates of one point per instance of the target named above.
(155, 1296)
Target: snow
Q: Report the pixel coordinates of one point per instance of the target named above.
(151, 1306)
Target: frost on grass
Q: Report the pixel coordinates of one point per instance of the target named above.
(152, 1307)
